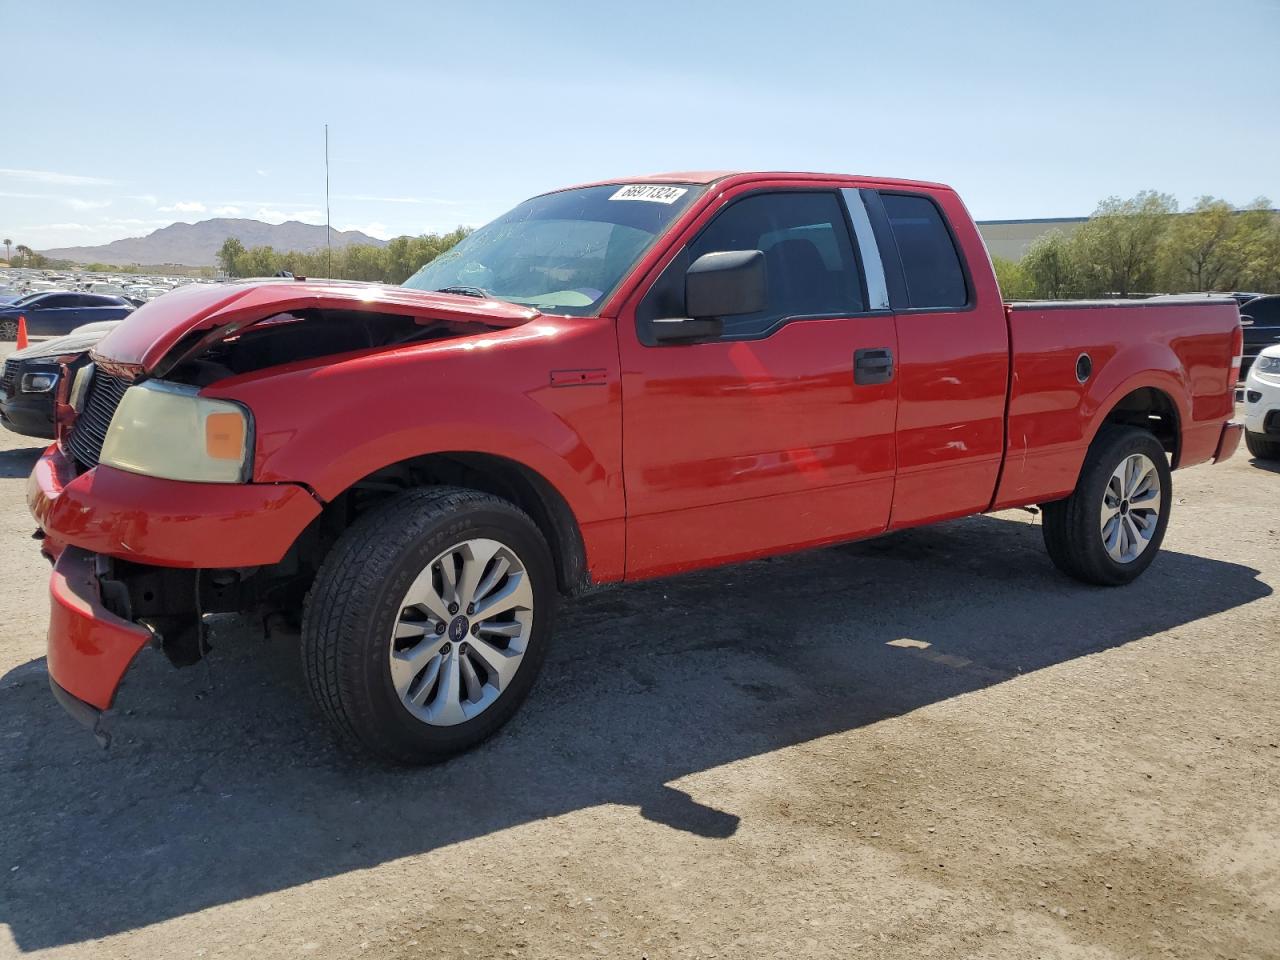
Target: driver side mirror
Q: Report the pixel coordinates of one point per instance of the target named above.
(716, 285)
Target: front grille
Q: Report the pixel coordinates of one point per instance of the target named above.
(90, 429)
(10, 378)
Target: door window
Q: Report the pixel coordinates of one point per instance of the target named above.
(930, 263)
(809, 259)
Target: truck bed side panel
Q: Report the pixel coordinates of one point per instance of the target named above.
(1182, 349)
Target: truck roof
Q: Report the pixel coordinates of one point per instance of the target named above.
(703, 177)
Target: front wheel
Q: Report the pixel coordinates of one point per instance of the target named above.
(1262, 447)
(428, 622)
(1111, 527)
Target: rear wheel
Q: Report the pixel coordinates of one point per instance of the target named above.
(1262, 447)
(428, 622)
(8, 329)
(1110, 529)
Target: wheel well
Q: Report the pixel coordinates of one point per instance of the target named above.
(1152, 410)
(487, 473)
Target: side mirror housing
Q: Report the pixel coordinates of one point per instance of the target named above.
(725, 284)
(716, 285)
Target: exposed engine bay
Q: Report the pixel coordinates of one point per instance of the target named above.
(300, 335)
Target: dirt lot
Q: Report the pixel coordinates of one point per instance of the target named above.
(930, 745)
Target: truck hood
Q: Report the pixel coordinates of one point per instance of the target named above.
(145, 339)
(77, 341)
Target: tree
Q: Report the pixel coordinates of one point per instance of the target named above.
(1116, 248)
(258, 262)
(230, 255)
(1013, 279)
(8, 253)
(28, 257)
(1049, 267)
(1256, 242)
(1197, 250)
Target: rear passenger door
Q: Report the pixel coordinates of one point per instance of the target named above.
(953, 355)
(52, 316)
(766, 438)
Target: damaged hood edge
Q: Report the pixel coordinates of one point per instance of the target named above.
(144, 339)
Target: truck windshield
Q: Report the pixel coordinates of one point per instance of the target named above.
(562, 252)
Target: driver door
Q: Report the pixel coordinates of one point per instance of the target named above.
(764, 439)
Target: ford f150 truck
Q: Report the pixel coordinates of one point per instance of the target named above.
(617, 381)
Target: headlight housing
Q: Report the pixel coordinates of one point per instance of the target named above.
(167, 430)
(41, 382)
(1269, 365)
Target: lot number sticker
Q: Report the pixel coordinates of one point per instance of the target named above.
(653, 192)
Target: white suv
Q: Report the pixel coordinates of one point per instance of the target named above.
(1262, 405)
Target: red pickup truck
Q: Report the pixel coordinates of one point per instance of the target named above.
(612, 382)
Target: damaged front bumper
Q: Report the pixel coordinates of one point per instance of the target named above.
(129, 548)
(90, 648)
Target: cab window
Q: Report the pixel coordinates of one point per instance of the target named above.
(809, 258)
(930, 264)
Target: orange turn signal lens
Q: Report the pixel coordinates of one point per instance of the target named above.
(224, 436)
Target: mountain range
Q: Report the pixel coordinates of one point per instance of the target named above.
(197, 244)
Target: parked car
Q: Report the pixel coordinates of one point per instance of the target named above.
(30, 378)
(58, 313)
(1262, 405)
(612, 382)
(1261, 319)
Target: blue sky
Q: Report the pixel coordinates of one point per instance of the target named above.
(121, 118)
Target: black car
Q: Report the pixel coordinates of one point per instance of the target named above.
(30, 379)
(55, 313)
(1261, 320)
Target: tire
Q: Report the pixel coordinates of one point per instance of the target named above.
(1082, 542)
(1260, 447)
(353, 662)
(8, 330)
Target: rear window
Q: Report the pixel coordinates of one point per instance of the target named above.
(930, 263)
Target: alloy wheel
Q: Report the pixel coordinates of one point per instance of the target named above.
(1131, 506)
(462, 631)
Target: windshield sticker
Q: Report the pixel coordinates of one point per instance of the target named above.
(653, 192)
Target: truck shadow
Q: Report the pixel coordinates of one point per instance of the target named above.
(215, 793)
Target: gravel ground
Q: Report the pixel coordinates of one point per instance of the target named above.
(929, 745)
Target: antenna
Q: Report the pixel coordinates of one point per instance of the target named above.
(328, 229)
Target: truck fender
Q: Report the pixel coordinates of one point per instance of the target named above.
(1144, 365)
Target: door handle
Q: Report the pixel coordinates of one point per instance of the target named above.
(873, 365)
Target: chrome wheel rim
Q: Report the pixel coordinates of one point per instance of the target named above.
(461, 632)
(1131, 506)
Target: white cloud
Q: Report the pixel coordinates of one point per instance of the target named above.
(185, 206)
(75, 203)
(227, 211)
(148, 198)
(280, 216)
(273, 204)
(263, 173)
(49, 176)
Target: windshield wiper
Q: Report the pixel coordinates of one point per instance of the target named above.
(465, 291)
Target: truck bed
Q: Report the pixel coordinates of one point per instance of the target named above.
(1182, 349)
